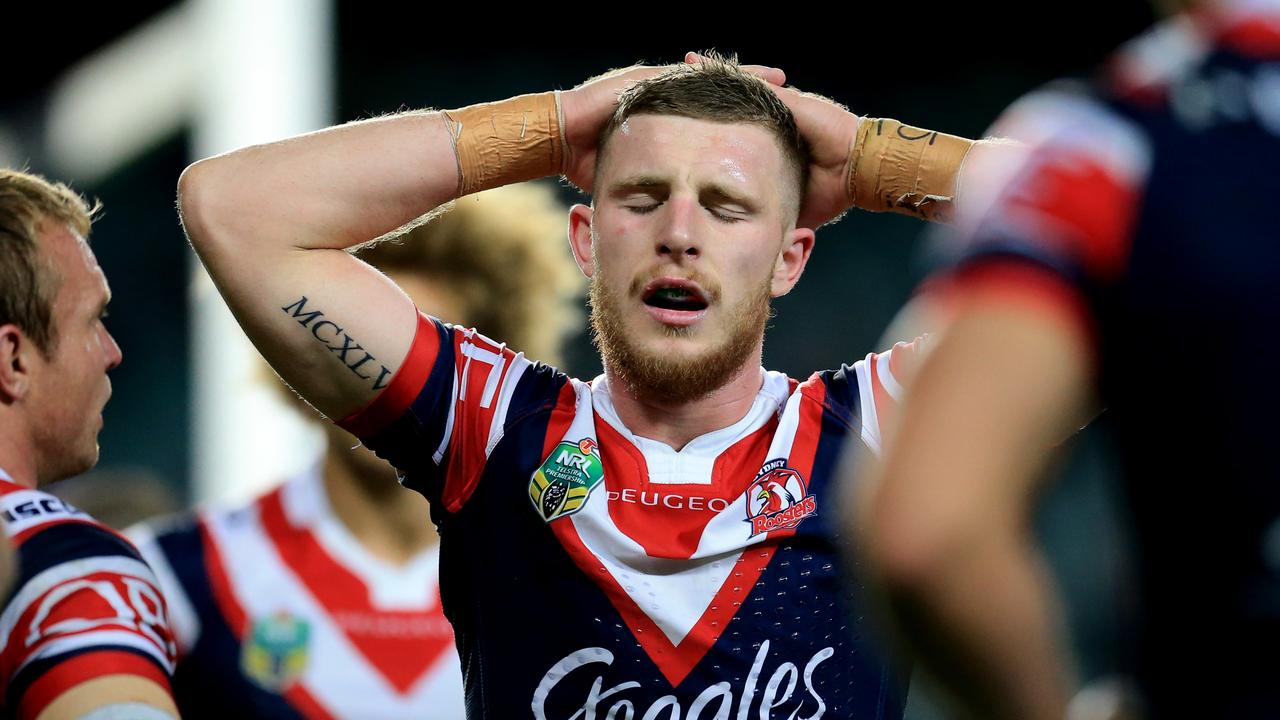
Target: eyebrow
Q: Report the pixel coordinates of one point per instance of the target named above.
(637, 182)
(719, 192)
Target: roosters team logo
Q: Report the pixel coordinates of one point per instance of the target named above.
(778, 499)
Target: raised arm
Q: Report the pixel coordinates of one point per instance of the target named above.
(272, 223)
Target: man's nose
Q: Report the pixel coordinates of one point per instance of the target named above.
(678, 236)
(114, 356)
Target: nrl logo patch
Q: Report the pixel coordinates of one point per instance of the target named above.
(778, 499)
(562, 483)
(275, 652)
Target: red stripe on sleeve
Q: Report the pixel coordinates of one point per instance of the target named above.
(404, 387)
(804, 449)
(306, 703)
(223, 595)
(561, 418)
(1010, 282)
(82, 668)
(1082, 210)
(26, 534)
(1256, 37)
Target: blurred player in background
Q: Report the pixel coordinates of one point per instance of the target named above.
(320, 599)
(83, 632)
(1132, 258)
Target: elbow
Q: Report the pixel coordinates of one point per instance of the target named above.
(202, 205)
(191, 212)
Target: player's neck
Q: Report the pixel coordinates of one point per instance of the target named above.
(677, 424)
(390, 522)
(17, 455)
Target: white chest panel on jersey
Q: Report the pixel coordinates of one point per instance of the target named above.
(337, 675)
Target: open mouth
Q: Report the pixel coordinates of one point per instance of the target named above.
(675, 297)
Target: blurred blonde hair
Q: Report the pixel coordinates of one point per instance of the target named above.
(504, 256)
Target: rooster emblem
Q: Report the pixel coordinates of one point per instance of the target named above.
(771, 495)
(778, 499)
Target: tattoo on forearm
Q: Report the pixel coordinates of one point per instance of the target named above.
(343, 346)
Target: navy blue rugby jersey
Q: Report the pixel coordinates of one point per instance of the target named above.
(591, 573)
(1143, 212)
(84, 605)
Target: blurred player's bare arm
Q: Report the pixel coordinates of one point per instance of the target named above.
(112, 696)
(966, 585)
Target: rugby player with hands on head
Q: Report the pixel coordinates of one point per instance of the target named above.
(668, 525)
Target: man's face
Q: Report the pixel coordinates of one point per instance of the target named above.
(691, 235)
(70, 387)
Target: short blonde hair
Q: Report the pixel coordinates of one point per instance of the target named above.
(504, 255)
(28, 281)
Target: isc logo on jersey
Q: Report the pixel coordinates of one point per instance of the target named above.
(778, 499)
(25, 509)
(566, 478)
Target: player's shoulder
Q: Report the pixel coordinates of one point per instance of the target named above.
(84, 600)
(64, 555)
(894, 366)
(451, 367)
(863, 392)
(26, 511)
(1070, 120)
(1142, 71)
(169, 543)
(1178, 60)
(55, 541)
(179, 538)
(183, 553)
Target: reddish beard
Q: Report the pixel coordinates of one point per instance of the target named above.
(670, 378)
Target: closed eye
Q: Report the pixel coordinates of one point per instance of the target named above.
(726, 206)
(727, 216)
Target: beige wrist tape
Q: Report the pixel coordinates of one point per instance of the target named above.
(508, 141)
(903, 169)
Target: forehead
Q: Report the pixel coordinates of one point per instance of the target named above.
(74, 262)
(681, 148)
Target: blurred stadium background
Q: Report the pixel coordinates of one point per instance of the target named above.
(116, 98)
